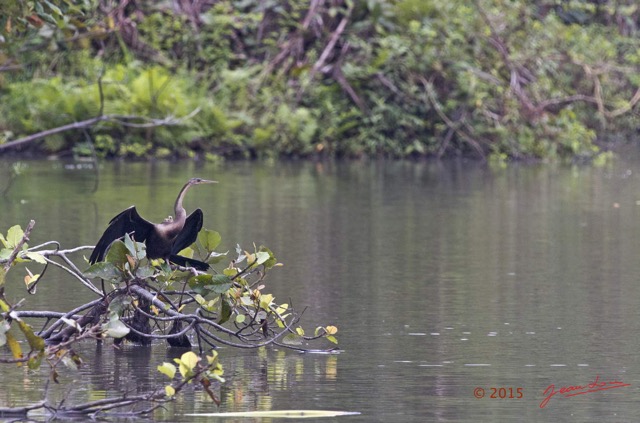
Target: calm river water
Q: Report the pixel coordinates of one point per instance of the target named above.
(441, 277)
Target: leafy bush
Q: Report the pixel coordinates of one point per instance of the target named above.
(396, 78)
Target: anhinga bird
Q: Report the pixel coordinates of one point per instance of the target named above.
(163, 240)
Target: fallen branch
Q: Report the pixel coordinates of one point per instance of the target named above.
(124, 120)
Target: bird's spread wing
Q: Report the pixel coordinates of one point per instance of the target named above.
(189, 232)
(127, 222)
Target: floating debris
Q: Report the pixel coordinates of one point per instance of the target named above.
(283, 414)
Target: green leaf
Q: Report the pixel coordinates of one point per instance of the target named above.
(37, 257)
(119, 304)
(265, 301)
(117, 254)
(261, 257)
(200, 281)
(272, 259)
(167, 369)
(35, 342)
(2, 274)
(209, 239)
(216, 257)
(240, 318)
(145, 272)
(115, 328)
(186, 252)
(102, 270)
(186, 363)
(53, 7)
(169, 390)
(47, 17)
(5, 253)
(14, 345)
(220, 284)
(205, 284)
(332, 338)
(225, 313)
(71, 360)
(14, 236)
(35, 361)
(231, 272)
(190, 359)
(130, 244)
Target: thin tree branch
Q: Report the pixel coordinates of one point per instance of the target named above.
(121, 119)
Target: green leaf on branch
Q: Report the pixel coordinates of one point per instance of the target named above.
(265, 301)
(37, 257)
(187, 363)
(225, 313)
(209, 239)
(35, 342)
(205, 284)
(115, 328)
(169, 390)
(117, 254)
(103, 270)
(14, 236)
(119, 304)
(186, 252)
(261, 257)
(167, 369)
(271, 261)
(14, 345)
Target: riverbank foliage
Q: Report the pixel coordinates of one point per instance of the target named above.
(488, 78)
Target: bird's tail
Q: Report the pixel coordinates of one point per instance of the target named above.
(187, 262)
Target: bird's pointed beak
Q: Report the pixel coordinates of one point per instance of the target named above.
(207, 181)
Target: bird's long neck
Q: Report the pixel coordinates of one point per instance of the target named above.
(180, 212)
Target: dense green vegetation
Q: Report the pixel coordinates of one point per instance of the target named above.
(258, 78)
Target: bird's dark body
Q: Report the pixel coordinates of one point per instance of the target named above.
(163, 240)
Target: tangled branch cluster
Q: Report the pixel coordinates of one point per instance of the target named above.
(140, 300)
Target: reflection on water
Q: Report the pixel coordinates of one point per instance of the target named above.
(442, 278)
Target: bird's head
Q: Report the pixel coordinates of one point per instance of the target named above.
(197, 181)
